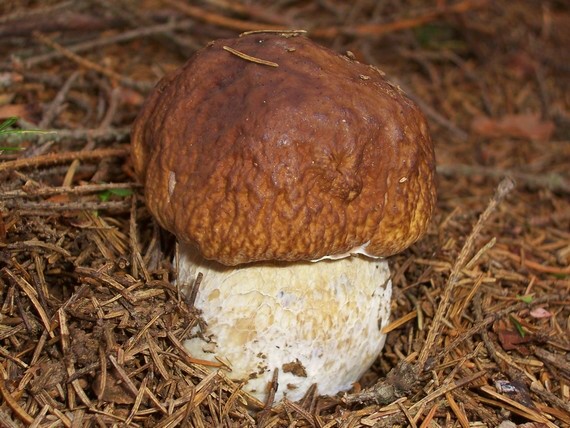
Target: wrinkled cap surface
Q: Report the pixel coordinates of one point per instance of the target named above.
(317, 156)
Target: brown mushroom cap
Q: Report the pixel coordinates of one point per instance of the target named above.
(310, 158)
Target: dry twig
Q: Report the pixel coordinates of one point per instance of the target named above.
(503, 189)
(90, 65)
(55, 158)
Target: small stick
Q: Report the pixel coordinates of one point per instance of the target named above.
(28, 13)
(557, 361)
(261, 12)
(103, 378)
(140, 86)
(399, 381)
(68, 21)
(40, 416)
(503, 189)
(71, 206)
(219, 20)
(271, 388)
(137, 260)
(367, 30)
(449, 387)
(552, 181)
(195, 288)
(549, 396)
(109, 40)
(154, 349)
(55, 158)
(107, 280)
(249, 57)
(54, 108)
(58, 135)
(114, 102)
(532, 264)
(399, 322)
(67, 190)
(132, 13)
(459, 413)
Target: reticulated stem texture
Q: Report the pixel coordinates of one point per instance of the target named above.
(317, 323)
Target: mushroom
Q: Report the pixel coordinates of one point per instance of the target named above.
(288, 173)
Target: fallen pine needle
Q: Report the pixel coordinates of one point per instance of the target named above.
(503, 189)
(249, 57)
(459, 413)
(399, 322)
(518, 407)
(13, 404)
(429, 416)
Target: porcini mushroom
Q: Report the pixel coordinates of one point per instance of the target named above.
(288, 173)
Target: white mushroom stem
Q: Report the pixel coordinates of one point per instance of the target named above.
(317, 323)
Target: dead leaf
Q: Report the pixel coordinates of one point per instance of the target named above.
(540, 313)
(527, 126)
(58, 199)
(114, 390)
(130, 97)
(521, 64)
(6, 98)
(512, 340)
(24, 111)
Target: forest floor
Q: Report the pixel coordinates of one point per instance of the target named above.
(90, 324)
